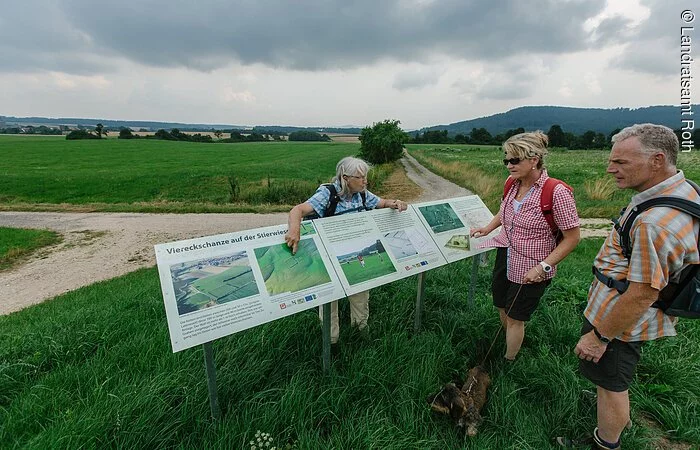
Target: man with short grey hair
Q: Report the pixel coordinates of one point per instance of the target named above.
(663, 242)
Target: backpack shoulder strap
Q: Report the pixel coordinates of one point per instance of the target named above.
(547, 201)
(510, 181)
(363, 194)
(332, 201)
(681, 204)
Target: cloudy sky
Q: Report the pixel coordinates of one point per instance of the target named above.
(334, 62)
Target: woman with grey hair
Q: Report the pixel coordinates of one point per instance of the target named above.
(350, 187)
(529, 245)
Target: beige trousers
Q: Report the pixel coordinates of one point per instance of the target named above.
(359, 313)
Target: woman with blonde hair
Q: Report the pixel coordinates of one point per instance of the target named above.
(529, 245)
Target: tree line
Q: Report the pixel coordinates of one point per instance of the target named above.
(589, 140)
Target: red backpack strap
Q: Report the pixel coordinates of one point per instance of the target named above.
(510, 181)
(547, 201)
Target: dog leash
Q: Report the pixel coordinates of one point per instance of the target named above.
(498, 332)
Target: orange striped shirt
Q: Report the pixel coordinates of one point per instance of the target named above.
(664, 241)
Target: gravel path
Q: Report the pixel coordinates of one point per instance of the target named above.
(100, 246)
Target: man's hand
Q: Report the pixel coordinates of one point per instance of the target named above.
(590, 348)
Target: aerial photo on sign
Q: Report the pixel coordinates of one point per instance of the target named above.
(212, 281)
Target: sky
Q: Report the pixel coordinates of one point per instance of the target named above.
(334, 62)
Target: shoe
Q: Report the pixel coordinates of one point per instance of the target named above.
(565, 442)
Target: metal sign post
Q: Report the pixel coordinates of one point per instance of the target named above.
(211, 380)
(420, 295)
(472, 285)
(326, 332)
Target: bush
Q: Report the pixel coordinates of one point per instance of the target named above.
(383, 142)
(304, 135)
(80, 134)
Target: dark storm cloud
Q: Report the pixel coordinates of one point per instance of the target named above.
(303, 35)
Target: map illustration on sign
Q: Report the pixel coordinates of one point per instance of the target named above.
(284, 272)
(207, 282)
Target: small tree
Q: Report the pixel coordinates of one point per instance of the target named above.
(125, 133)
(383, 142)
(218, 134)
(100, 130)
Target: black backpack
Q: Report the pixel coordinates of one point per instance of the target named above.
(333, 202)
(682, 298)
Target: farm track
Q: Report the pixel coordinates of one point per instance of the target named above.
(100, 246)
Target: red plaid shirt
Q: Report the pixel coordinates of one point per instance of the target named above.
(526, 233)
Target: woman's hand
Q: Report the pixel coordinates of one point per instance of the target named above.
(478, 232)
(292, 239)
(534, 275)
(398, 204)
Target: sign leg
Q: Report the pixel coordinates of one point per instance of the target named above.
(211, 380)
(472, 286)
(419, 302)
(326, 332)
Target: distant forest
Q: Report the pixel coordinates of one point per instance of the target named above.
(574, 120)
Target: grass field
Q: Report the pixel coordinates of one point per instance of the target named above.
(93, 368)
(18, 243)
(480, 169)
(140, 175)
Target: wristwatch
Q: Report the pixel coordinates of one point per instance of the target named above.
(546, 267)
(600, 337)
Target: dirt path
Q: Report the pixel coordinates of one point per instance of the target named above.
(100, 246)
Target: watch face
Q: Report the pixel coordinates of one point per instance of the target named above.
(546, 267)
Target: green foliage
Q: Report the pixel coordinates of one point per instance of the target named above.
(304, 135)
(93, 369)
(17, 243)
(383, 142)
(125, 133)
(81, 134)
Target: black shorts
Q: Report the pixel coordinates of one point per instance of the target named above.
(504, 290)
(614, 371)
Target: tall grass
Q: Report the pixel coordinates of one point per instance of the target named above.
(93, 369)
(575, 167)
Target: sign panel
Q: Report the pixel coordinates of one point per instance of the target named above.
(218, 285)
(377, 247)
(448, 223)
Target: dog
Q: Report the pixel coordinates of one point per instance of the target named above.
(463, 405)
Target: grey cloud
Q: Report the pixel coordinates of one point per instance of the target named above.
(655, 44)
(303, 35)
(415, 79)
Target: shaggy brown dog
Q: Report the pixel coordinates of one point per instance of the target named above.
(464, 404)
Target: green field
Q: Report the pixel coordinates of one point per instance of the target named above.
(284, 272)
(481, 170)
(18, 243)
(376, 265)
(153, 175)
(94, 369)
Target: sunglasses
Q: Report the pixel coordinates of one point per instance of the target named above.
(513, 161)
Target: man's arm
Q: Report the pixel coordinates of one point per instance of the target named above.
(629, 308)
